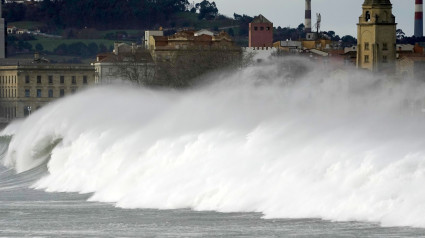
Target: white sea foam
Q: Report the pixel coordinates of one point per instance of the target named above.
(344, 146)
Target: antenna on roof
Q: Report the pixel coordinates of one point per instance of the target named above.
(318, 23)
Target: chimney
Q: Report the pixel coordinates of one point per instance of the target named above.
(133, 48)
(36, 56)
(419, 22)
(308, 16)
(116, 48)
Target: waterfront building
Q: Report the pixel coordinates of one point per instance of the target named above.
(376, 37)
(127, 62)
(260, 32)
(289, 46)
(185, 55)
(26, 87)
(168, 48)
(148, 35)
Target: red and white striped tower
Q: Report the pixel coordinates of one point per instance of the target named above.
(419, 19)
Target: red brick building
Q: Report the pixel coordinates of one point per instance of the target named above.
(260, 32)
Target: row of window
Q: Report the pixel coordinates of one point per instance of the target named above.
(384, 59)
(12, 79)
(50, 92)
(8, 93)
(262, 28)
(384, 46)
(8, 79)
(8, 112)
(50, 79)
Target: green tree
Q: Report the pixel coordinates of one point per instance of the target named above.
(62, 49)
(400, 34)
(39, 47)
(332, 35)
(348, 40)
(14, 12)
(207, 10)
(301, 27)
(231, 32)
(244, 21)
(102, 48)
(93, 48)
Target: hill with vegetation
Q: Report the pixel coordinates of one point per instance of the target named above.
(74, 30)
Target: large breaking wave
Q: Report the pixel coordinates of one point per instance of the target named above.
(271, 139)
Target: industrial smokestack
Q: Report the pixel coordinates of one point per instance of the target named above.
(308, 16)
(419, 21)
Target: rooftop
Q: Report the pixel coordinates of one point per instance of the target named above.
(376, 2)
(260, 19)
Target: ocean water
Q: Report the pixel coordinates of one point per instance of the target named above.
(283, 149)
(27, 212)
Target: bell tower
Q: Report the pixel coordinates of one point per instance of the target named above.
(376, 37)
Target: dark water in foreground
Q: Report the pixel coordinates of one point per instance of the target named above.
(28, 213)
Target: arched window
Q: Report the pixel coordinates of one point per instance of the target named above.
(367, 16)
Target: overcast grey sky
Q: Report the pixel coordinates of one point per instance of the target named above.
(338, 15)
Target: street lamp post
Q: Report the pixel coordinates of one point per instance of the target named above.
(29, 110)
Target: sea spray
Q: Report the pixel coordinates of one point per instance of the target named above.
(286, 142)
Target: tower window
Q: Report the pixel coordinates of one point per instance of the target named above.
(262, 28)
(384, 46)
(367, 16)
(366, 58)
(366, 46)
(255, 28)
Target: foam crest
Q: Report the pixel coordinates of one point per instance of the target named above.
(284, 139)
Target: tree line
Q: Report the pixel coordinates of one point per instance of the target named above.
(23, 44)
(100, 14)
(105, 14)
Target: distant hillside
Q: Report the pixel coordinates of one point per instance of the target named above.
(83, 28)
(104, 14)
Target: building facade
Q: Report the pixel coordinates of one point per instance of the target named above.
(183, 43)
(181, 57)
(148, 35)
(376, 36)
(127, 62)
(289, 46)
(260, 32)
(26, 88)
